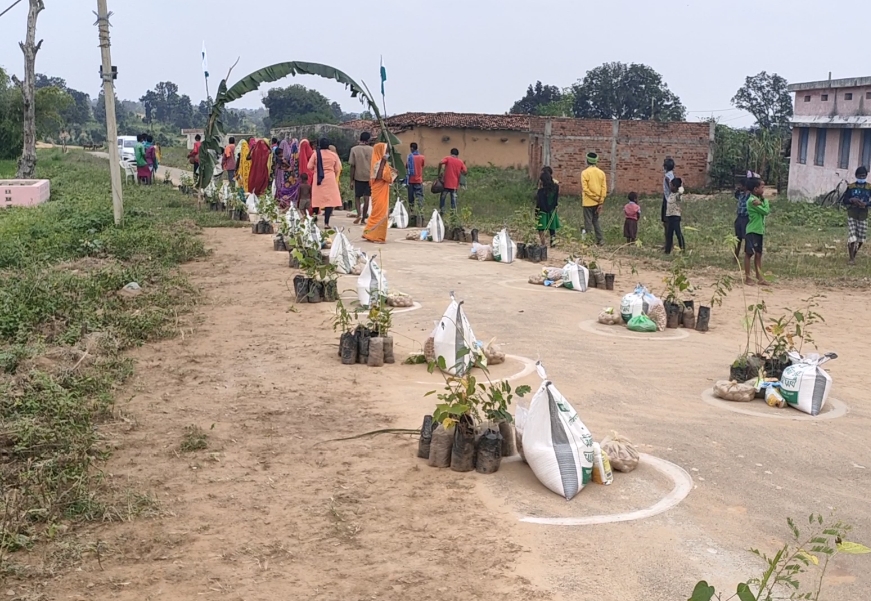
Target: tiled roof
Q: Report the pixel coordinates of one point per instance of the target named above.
(453, 120)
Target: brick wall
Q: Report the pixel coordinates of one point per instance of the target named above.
(630, 152)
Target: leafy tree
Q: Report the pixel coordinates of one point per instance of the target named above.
(537, 97)
(766, 98)
(621, 91)
(10, 121)
(297, 105)
(44, 81)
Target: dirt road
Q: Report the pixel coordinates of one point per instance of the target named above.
(268, 512)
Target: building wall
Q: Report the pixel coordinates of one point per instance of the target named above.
(630, 152)
(836, 103)
(808, 180)
(505, 149)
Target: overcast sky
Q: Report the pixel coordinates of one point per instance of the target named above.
(447, 55)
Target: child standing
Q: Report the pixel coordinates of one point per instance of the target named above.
(757, 210)
(741, 218)
(305, 194)
(672, 216)
(632, 212)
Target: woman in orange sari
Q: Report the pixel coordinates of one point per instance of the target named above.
(380, 179)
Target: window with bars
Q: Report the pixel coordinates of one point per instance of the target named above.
(844, 149)
(848, 96)
(824, 97)
(866, 148)
(820, 150)
(803, 135)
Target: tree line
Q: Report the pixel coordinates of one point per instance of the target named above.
(64, 114)
(635, 91)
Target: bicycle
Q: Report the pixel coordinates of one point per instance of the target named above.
(833, 198)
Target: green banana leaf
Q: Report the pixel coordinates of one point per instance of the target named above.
(210, 148)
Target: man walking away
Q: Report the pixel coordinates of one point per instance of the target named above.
(857, 199)
(415, 165)
(668, 167)
(228, 162)
(595, 187)
(453, 168)
(361, 164)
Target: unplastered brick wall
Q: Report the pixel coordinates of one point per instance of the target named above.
(630, 152)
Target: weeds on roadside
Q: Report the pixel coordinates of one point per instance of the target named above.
(194, 439)
(797, 570)
(63, 326)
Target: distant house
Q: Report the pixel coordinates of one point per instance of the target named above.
(499, 140)
(831, 134)
(630, 152)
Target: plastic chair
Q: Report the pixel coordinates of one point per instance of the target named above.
(129, 171)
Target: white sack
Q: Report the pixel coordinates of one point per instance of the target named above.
(436, 227)
(636, 303)
(399, 216)
(804, 384)
(226, 194)
(575, 277)
(504, 248)
(371, 283)
(251, 204)
(313, 237)
(342, 254)
(556, 443)
(452, 336)
(293, 220)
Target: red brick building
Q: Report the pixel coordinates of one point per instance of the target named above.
(630, 152)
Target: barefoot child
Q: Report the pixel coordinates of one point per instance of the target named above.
(757, 210)
(632, 212)
(305, 194)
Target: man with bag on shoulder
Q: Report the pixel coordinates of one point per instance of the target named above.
(595, 189)
(451, 170)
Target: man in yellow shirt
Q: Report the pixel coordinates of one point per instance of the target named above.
(595, 189)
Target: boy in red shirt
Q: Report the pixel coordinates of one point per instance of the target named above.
(452, 167)
(415, 165)
(632, 212)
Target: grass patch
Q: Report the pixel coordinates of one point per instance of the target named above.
(803, 241)
(194, 439)
(175, 156)
(63, 328)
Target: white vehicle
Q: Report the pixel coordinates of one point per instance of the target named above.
(126, 148)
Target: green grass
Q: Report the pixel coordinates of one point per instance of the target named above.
(175, 156)
(803, 241)
(63, 327)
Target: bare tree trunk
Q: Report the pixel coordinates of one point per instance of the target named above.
(27, 162)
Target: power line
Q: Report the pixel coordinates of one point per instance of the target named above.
(716, 110)
(14, 4)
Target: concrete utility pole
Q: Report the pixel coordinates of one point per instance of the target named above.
(111, 126)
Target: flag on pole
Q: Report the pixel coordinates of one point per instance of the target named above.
(383, 75)
(205, 61)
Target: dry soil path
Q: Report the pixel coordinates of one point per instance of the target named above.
(270, 511)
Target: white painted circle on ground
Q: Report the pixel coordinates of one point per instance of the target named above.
(413, 307)
(528, 368)
(833, 409)
(683, 484)
(618, 331)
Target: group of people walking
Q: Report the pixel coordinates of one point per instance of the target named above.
(147, 156)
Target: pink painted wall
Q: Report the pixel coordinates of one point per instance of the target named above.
(808, 181)
(836, 103)
(24, 192)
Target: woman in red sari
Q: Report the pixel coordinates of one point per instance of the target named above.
(258, 179)
(305, 154)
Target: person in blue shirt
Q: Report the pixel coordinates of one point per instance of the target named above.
(857, 199)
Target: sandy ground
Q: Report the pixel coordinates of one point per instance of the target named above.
(268, 512)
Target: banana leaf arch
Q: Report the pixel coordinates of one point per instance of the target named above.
(211, 144)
